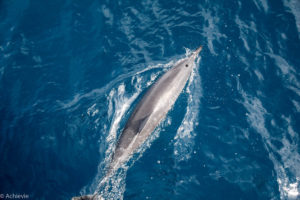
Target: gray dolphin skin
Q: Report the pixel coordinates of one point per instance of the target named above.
(149, 112)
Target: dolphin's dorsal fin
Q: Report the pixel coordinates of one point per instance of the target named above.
(142, 122)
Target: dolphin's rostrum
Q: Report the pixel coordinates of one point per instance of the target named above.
(149, 112)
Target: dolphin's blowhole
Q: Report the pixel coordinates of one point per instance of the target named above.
(186, 65)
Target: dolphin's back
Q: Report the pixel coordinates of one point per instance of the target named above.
(148, 113)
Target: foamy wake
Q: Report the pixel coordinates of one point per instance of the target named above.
(184, 138)
(118, 103)
(287, 164)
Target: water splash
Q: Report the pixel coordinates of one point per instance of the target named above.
(287, 164)
(121, 105)
(184, 138)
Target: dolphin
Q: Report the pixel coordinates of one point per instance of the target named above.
(148, 113)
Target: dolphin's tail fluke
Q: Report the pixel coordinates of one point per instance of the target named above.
(96, 196)
(85, 197)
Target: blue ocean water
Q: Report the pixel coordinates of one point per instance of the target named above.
(72, 71)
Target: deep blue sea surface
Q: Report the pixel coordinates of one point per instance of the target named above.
(71, 73)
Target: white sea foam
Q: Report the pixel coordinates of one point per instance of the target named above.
(121, 105)
(261, 4)
(184, 138)
(107, 14)
(210, 30)
(92, 111)
(289, 75)
(287, 166)
(293, 6)
(245, 30)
